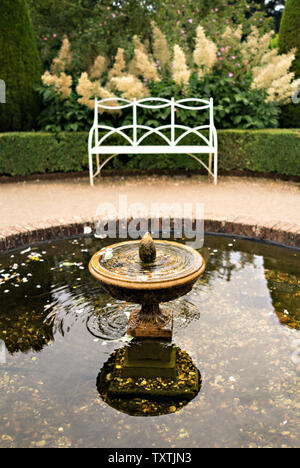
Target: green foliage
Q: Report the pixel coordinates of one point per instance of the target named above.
(265, 151)
(290, 116)
(288, 39)
(62, 115)
(274, 44)
(92, 26)
(289, 32)
(20, 66)
(95, 27)
(180, 19)
(236, 106)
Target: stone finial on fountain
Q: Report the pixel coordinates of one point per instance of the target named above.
(147, 249)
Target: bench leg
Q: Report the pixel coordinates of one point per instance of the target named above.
(216, 168)
(98, 164)
(91, 169)
(210, 162)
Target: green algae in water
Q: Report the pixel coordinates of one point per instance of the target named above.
(240, 326)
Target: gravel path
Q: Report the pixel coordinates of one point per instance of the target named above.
(261, 199)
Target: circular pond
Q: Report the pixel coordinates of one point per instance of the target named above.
(236, 344)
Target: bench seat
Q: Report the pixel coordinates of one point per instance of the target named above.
(152, 149)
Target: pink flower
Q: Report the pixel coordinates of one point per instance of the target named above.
(260, 19)
(190, 20)
(100, 25)
(179, 12)
(214, 20)
(54, 35)
(230, 75)
(216, 9)
(222, 49)
(233, 57)
(220, 58)
(227, 21)
(45, 38)
(113, 15)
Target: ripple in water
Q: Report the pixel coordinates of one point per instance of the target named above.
(110, 323)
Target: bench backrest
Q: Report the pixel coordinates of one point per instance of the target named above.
(155, 104)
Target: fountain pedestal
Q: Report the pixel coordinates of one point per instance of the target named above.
(150, 322)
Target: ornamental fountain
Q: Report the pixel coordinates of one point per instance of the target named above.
(148, 273)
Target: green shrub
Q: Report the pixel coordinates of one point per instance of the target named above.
(20, 67)
(264, 151)
(289, 32)
(236, 106)
(288, 39)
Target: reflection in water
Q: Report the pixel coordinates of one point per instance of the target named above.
(149, 378)
(285, 292)
(24, 330)
(2, 352)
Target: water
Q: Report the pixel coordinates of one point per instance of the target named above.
(239, 326)
(171, 262)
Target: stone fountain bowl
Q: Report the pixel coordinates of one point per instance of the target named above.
(125, 276)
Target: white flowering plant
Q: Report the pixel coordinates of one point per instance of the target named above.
(247, 78)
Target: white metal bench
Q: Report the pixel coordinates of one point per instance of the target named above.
(171, 145)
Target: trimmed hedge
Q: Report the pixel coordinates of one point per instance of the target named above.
(265, 151)
(289, 38)
(20, 67)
